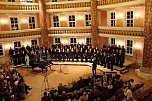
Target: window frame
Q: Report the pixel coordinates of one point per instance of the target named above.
(72, 21)
(2, 49)
(114, 19)
(54, 0)
(73, 38)
(17, 41)
(89, 20)
(55, 40)
(111, 41)
(11, 23)
(90, 44)
(132, 48)
(131, 19)
(31, 42)
(11, 1)
(55, 22)
(32, 23)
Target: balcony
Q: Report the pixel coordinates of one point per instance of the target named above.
(69, 30)
(19, 33)
(124, 31)
(18, 7)
(109, 2)
(68, 6)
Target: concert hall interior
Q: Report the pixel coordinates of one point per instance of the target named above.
(75, 50)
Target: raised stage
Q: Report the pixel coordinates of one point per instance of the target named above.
(101, 68)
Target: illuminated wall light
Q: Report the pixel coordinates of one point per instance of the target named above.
(24, 21)
(64, 42)
(7, 46)
(138, 14)
(81, 41)
(27, 43)
(79, 18)
(63, 18)
(120, 15)
(3, 21)
(137, 46)
(121, 43)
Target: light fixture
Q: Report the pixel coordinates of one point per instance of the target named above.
(120, 15)
(3, 21)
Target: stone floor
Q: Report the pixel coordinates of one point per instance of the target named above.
(69, 73)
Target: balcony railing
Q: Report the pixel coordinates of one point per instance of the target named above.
(122, 32)
(68, 5)
(70, 31)
(18, 6)
(12, 34)
(108, 2)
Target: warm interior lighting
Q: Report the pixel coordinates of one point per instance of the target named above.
(27, 43)
(3, 21)
(24, 20)
(120, 43)
(7, 46)
(120, 15)
(64, 42)
(137, 46)
(81, 41)
(63, 18)
(79, 18)
(138, 14)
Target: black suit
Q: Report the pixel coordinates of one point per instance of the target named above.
(94, 67)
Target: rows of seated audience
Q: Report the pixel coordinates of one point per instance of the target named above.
(12, 86)
(99, 88)
(106, 56)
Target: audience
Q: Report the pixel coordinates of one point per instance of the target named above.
(45, 97)
(12, 86)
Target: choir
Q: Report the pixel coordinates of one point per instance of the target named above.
(107, 56)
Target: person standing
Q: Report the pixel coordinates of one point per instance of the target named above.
(94, 66)
(27, 60)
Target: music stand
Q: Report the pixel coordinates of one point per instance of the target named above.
(45, 85)
(60, 70)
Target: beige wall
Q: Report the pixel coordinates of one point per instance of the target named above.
(138, 13)
(23, 22)
(119, 20)
(103, 18)
(139, 17)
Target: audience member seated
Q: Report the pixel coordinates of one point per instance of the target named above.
(12, 86)
(45, 97)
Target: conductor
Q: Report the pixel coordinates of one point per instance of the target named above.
(94, 66)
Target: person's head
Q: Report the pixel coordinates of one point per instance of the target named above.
(126, 88)
(45, 93)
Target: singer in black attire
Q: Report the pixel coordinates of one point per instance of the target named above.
(94, 66)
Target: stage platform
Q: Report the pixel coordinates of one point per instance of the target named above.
(101, 68)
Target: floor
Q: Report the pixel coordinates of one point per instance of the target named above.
(65, 74)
